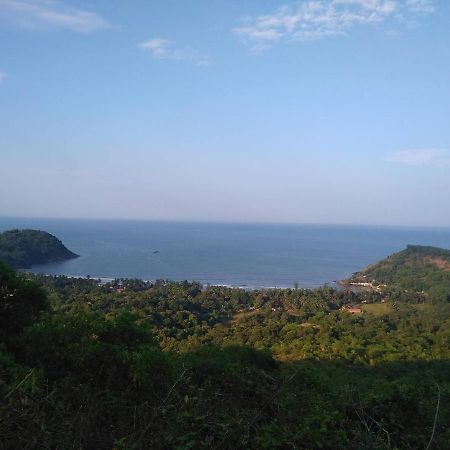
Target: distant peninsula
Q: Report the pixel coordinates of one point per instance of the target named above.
(418, 268)
(23, 248)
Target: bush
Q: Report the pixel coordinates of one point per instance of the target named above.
(21, 301)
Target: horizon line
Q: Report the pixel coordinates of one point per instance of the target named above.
(227, 222)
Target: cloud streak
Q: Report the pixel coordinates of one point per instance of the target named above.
(420, 6)
(166, 49)
(318, 19)
(3, 77)
(422, 157)
(43, 14)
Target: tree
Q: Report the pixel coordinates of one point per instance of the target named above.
(21, 301)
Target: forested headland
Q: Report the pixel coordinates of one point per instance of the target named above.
(22, 249)
(175, 365)
(417, 269)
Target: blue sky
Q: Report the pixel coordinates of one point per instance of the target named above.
(325, 111)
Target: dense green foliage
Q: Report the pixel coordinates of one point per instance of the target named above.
(23, 248)
(20, 302)
(166, 365)
(291, 323)
(417, 268)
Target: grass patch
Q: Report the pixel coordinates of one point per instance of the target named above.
(377, 309)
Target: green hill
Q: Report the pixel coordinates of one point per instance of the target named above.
(417, 268)
(23, 248)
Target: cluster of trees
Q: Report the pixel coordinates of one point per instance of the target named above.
(291, 323)
(165, 365)
(23, 248)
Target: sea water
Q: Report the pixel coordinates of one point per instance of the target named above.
(247, 255)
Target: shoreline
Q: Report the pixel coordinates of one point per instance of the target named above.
(246, 287)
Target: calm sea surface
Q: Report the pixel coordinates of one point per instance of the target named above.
(251, 255)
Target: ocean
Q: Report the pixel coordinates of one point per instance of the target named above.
(246, 255)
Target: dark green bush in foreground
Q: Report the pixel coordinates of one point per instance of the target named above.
(21, 301)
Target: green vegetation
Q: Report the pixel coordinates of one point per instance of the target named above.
(417, 268)
(24, 248)
(21, 301)
(167, 365)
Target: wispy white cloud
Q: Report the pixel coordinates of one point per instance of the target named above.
(167, 49)
(317, 19)
(422, 157)
(421, 6)
(39, 14)
(3, 77)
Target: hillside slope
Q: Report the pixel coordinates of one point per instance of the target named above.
(23, 248)
(417, 268)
